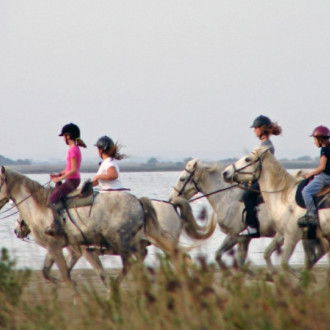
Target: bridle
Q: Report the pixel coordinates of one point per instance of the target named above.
(7, 198)
(255, 174)
(195, 187)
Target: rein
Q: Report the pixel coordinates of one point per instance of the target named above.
(20, 202)
(190, 177)
(255, 177)
(214, 192)
(192, 173)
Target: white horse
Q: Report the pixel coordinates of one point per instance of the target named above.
(206, 179)
(117, 221)
(278, 189)
(173, 218)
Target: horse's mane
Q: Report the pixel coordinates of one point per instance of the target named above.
(281, 179)
(203, 170)
(39, 193)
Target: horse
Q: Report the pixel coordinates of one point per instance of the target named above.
(278, 189)
(199, 177)
(167, 215)
(170, 220)
(118, 221)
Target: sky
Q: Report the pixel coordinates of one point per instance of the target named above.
(169, 79)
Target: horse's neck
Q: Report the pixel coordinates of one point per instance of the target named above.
(269, 180)
(213, 183)
(27, 194)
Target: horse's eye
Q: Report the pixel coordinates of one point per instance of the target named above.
(181, 179)
(247, 159)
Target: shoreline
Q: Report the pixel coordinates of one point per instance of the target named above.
(138, 167)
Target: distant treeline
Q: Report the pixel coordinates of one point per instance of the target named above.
(6, 161)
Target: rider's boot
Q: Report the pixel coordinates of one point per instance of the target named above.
(56, 227)
(309, 219)
(252, 228)
(250, 231)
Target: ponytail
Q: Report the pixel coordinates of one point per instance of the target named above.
(114, 152)
(80, 143)
(273, 129)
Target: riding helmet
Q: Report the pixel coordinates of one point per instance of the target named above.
(261, 121)
(104, 143)
(321, 132)
(71, 129)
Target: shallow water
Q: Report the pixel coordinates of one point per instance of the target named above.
(157, 185)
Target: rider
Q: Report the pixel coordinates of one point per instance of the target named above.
(263, 128)
(71, 175)
(108, 174)
(321, 136)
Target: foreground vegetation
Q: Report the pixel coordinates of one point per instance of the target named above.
(197, 296)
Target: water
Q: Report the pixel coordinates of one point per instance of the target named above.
(157, 185)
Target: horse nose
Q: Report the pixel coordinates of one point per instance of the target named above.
(225, 175)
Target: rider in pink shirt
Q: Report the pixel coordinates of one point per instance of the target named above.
(71, 175)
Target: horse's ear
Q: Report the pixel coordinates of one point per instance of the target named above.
(3, 171)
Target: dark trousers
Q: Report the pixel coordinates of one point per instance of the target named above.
(63, 189)
(250, 198)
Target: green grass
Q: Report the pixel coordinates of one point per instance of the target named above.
(171, 296)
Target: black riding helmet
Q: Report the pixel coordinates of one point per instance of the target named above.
(104, 143)
(261, 121)
(71, 129)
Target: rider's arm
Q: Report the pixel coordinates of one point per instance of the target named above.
(110, 175)
(319, 169)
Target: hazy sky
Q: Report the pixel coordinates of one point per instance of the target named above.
(169, 78)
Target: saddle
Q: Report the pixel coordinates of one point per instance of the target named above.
(83, 196)
(321, 200)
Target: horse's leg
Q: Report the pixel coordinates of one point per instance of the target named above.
(314, 250)
(228, 243)
(128, 259)
(48, 263)
(243, 248)
(288, 248)
(72, 258)
(127, 263)
(310, 256)
(274, 245)
(57, 254)
(93, 259)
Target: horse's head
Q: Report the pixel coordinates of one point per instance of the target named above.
(4, 196)
(21, 230)
(187, 185)
(246, 169)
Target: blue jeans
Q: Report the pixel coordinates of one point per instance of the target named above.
(316, 185)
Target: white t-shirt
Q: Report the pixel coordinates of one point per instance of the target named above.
(109, 184)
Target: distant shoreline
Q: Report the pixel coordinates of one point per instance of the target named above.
(143, 167)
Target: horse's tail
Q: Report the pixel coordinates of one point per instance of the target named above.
(156, 235)
(192, 228)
